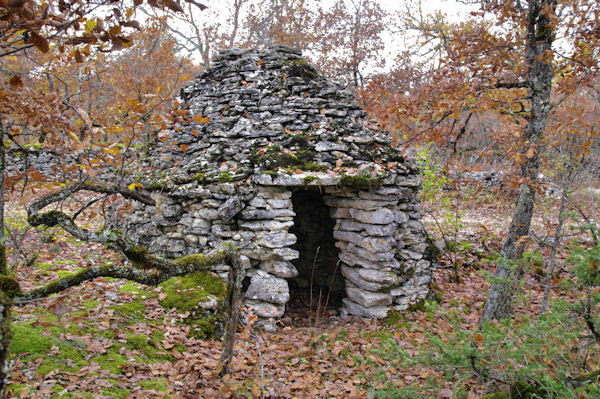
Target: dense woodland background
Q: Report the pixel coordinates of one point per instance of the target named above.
(499, 108)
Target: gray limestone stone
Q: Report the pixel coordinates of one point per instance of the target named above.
(380, 216)
(279, 268)
(275, 239)
(279, 203)
(329, 146)
(352, 259)
(171, 211)
(368, 298)
(265, 309)
(378, 244)
(376, 312)
(384, 278)
(352, 274)
(260, 214)
(366, 205)
(263, 254)
(265, 225)
(268, 288)
(348, 236)
(230, 208)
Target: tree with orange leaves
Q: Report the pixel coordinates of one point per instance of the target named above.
(52, 57)
(516, 61)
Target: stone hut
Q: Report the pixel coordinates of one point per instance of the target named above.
(270, 155)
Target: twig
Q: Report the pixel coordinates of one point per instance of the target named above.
(20, 302)
(262, 367)
(557, 239)
(312, 273)
(318, 308)
(331, 286)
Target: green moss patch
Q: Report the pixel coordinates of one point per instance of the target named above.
(186, 293)
(111, 361)
(189, 293)
(67, 273)
(134, 288)
(114, 391)
(138, 341)
(272, 158)
(134, 309)
(68, 359)
(155, 385)
(27, 338)
(362, 180)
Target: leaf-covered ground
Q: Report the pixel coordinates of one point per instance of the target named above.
(110, 338)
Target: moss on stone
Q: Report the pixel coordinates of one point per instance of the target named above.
(301, 141)
(361, 180)
(315, 167)
(225, 177)
(310, 179)
(300, 68)
(435, 293)
(199, 177)
(272, 158)
(137, 254)
(185, 293)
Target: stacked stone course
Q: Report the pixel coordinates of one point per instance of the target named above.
(260, 126)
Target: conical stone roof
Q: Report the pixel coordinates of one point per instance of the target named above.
(271, 115)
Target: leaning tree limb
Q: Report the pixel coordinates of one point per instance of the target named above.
(145, 268)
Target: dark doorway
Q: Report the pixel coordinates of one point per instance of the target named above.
(317, 265)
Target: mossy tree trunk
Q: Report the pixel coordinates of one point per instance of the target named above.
(3, 268)
(5, 333)
(540, 34)
(5, 339)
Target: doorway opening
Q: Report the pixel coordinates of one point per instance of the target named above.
(319, 286)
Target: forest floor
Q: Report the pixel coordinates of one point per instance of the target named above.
(109, 338)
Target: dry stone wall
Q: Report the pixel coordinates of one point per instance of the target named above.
(262, 128)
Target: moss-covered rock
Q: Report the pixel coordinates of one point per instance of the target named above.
(362, 180)
(200, 294)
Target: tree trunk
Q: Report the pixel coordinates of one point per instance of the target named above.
(3, 268)
(539, 85)
(5, 339)
(549, 275)
(5, 333)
